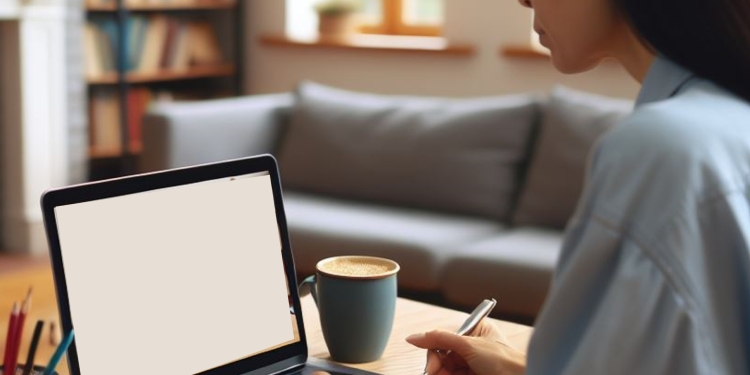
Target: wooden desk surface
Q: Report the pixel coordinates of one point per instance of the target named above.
(399, 358)
(411, 317)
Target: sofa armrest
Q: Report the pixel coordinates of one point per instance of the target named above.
(189, 133)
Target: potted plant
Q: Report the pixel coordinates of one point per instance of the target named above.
(337, 17)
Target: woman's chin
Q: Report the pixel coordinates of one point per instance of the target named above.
(574, 65)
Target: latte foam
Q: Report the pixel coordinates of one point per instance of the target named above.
(357, 267)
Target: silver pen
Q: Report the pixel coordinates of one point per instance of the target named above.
(476, 316)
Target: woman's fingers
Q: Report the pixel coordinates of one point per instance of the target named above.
(489, 330)
(444, 364)
(453, 361)
(441, 340)
(434, 364)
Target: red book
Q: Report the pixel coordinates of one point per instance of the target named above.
(138, 101)
(9, 347)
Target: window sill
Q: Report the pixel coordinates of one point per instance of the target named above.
(523, 52)
(390, 43)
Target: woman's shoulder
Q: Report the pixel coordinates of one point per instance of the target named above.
(693, 125)
(693, 144)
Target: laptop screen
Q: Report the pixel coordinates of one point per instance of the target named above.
(178, 280)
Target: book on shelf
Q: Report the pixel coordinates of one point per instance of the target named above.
(139, 100)
(100, 44)
(202, 44)
(94, 66)
(170, 43)
(152, 44)
(104, 122)
(147, 58)
(105, 131)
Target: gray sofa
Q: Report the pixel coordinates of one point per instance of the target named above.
(470, 196)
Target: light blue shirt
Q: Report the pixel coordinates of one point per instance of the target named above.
(654, 275)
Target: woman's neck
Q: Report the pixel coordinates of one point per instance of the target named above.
(634, 55)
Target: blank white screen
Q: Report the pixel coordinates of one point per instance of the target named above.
(177, 280)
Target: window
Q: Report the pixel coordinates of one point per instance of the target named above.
(403, 17)
(394, 17)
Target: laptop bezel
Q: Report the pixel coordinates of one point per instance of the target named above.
(288, 356)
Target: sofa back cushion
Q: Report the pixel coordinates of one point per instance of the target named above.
(571, 124)
(452, 155)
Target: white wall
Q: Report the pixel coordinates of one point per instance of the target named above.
(33, 124)
(488, 24)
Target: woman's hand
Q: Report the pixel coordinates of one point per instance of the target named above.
(486, 352)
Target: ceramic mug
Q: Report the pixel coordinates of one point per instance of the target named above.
(356, 298)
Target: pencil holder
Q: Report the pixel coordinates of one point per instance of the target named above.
(38, 370)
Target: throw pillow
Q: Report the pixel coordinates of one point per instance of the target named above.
(453, 155)
(571, 124)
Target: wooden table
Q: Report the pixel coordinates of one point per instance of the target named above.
(411, 317)
(399, 357)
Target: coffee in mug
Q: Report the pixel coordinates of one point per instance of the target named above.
(360, 267)
(356, 297)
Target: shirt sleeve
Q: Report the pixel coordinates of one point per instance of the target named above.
(611, 310)
(654, 273)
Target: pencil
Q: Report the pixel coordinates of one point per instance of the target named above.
(12, 323)
(64, 345)
(32, 349)
(18, 334)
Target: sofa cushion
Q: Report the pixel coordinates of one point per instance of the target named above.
(419, 241)
(452, 155)
(571, 123)
(514, 267)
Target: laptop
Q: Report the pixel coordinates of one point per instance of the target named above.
(186, 271)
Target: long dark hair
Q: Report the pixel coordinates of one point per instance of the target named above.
(709, 37)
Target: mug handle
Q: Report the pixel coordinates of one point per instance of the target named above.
(312, 280)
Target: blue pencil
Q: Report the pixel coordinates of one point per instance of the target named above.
(61, 349)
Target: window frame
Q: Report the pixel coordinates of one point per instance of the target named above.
(393, 23)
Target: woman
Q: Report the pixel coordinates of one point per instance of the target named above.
(654, 275)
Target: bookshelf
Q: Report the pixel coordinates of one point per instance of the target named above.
(223, 70)
(141, 52)
(161, 6)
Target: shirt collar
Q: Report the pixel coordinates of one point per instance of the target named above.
(663, 80)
